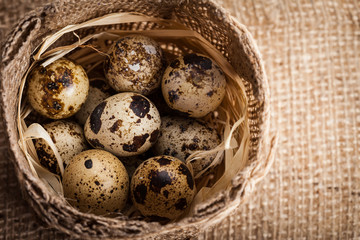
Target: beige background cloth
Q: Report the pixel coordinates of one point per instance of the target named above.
(311, 50)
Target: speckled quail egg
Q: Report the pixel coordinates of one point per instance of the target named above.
(125, 124)
(135, 64)
(69, 140)
(96, 181)
(180, 137)
(99, 90)
(193, 84)
(162, 188)
(58, 90)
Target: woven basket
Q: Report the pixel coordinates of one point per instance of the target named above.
(214, 24)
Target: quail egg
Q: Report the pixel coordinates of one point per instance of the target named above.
(135, 64)
(58, 90)
(69, 140)
(99, 90)
(180, 137)
(162, 188)
(125, 124)
(193, 84)
(96, 181)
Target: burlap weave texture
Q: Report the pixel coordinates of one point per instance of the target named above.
(311, 53)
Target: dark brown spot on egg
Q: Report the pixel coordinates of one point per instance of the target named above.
(168, 124)
(191, 146)
(206, 148)
(95, 143)
(47, 160)
(209, 94)
(56, 105)
(71, 108)
(158, 180)
(163, 161)
(140, 106)
(196, 60)
(196, 139)
(65, 76)
(52, 86)
(138, 141)
(97, 183)
(52, 105)
(95, 117)
(195, 79)
(140, 193)
(154, 135)
(183, 128)
(148, 116)
(88, 163)
(181, 204)
(115, 127)
(139, 120)
(173, 95)
(189, 178)
(176, 75)
(74, 133)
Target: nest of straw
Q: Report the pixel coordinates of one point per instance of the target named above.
(180, 27)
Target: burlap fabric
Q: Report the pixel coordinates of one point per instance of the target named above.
(311, 53)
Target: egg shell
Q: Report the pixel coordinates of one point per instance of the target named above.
(193, 84)
(99, 90)
(125, 124)
(162, 188)
(180, 137)
(135, 64)
(96, 181)
(69, 140)
(58, 90)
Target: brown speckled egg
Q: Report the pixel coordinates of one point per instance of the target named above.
(99, 90)
(69, 140)
(125, 124)
(180, 137)
(162, 188)
(58, 90)
(96, 181)
(135, 64)
(193, 84)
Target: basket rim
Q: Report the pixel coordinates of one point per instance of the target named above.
(32, 182)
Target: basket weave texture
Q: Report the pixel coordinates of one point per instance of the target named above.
(205, 17)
